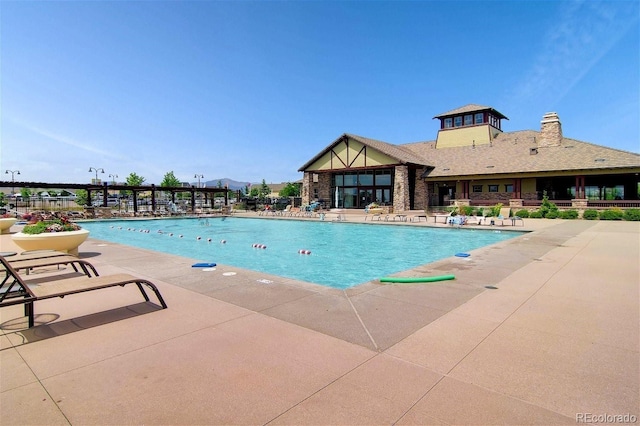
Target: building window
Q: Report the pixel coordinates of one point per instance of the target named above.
(493, 188)
(479, 118)
(448, 122)
(477, 188)
(468, 120)
(508, 187)
(457, 121)
(315, 193)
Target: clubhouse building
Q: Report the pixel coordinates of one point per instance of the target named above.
(473, 162)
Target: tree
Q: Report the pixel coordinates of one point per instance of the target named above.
(170, 180)
(81, 197)
(290, 190)
(264, 189)
(134, 180)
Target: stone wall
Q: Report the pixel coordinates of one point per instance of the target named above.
(421, 196)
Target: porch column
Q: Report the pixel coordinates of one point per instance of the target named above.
(580, 187)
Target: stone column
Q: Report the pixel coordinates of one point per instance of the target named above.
(515, 203)
(401, 189)
(307, 181)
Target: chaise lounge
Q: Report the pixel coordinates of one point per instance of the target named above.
(15, 291)
(19, 262)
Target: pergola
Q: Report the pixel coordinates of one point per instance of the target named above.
(135, 190)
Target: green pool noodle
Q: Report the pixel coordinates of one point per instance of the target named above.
(417, 279)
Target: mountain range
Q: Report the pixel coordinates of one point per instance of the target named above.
(234, 185)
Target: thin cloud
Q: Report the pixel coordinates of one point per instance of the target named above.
(79, 145)
(582, 34)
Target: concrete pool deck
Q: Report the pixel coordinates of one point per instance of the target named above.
(540, 329)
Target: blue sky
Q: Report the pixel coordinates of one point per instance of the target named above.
(252, 90)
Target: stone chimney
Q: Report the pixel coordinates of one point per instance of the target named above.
(550, 131)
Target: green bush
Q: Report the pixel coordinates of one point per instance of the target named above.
(568, 214)
(632, 214)
(552, 214)
(495, 210)
(535, 214)
(611, 214)
(524, 213)
(547, 207)
(37, 228)
(590, 214)
(466, 210)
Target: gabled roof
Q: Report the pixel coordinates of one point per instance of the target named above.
(398, 152)
(470, 108)
(511, 153)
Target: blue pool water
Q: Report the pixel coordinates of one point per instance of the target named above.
(342, 254)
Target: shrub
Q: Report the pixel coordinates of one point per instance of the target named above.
(611, 214)
(495, 210)
(590, 214)
(57, 225)
(535, 214)
(632, 214)
(552, 214)
(547, 206)
(524, 213)
(466, 210)
(568, 214)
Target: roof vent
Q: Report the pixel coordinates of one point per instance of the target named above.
(599, 160)
(533, 151)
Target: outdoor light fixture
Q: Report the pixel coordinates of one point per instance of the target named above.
(93, 169)
(199, 177)
(113, 179)
(13, 172)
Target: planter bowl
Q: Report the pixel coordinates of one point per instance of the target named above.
(67, 241)
(6, 223)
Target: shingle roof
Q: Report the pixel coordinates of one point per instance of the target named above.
(511, 153)
(508, 153)
(470, 108)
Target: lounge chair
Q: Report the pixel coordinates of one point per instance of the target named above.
(505, 215)
(20, 262)
(15, 291)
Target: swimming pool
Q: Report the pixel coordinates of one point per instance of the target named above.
(342, 254)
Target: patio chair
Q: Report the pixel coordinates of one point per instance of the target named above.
(504, 214)
(24, 262)
(15, 291)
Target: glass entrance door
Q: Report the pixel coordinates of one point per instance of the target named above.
(365, 197)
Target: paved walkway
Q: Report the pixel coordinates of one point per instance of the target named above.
(541, 329)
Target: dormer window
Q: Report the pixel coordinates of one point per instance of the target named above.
(457, 121)
(468, 120)
(448, 123)
(479, 118)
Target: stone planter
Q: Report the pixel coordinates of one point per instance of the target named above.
(67, 241)
(6, 223)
